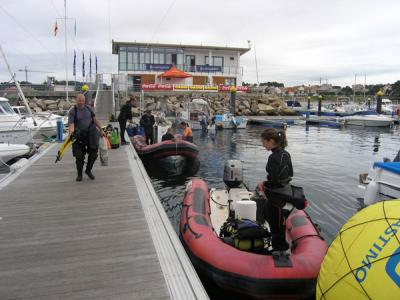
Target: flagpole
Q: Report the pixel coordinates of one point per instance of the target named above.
(66, 49)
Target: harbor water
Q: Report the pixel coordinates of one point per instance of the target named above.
(326, 161)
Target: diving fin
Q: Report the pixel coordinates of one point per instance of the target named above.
(64, 146)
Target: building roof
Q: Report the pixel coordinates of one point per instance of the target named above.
(117, 44)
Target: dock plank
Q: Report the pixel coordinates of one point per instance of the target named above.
(62, 239)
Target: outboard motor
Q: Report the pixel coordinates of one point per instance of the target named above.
(233, 173)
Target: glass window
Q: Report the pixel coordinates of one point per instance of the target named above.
(7, 107)
(168, 58)
(147, 58)
(218, 61)
(206, 58)
(179, 60)
(122, 60)
(155, 58)
(130, 60)
(190, 60)
(141, 58)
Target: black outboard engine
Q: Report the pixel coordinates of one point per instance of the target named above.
(233, 173)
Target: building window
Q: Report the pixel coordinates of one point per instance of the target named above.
(122, 60)
(190, 60)
(230, 81)
(216, 61)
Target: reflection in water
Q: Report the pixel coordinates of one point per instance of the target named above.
(173, 168)
(376, 143)
(326, 163)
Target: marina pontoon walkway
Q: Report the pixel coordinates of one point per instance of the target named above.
(107, 238)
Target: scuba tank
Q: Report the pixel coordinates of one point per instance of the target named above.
(114, 138)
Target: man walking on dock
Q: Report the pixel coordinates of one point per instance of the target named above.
(85, 127)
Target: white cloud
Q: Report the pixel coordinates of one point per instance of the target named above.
(297, 42)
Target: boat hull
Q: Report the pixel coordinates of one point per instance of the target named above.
(386, 176)
(163, 149)
(254, 275)
(369, 121)
(10, 151)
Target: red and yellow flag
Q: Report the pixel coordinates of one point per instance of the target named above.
(55, 29)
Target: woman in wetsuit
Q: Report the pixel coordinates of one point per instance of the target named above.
(280, 173)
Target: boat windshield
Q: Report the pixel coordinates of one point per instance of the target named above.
(6, 108)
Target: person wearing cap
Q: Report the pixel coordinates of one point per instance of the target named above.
(148, 121)
(125, 115)
(187, 134)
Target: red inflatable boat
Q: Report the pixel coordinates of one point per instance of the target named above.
(255, 275)
(163, 149)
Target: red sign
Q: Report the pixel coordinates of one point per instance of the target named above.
(227, 88)
(156, 87)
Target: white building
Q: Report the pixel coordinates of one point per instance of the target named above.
(143, 63)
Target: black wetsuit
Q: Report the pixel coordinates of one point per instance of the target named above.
(124, 115)
(147, 121)
(280, 171)
(166, 137)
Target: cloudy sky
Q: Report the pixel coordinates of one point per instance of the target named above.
(296, 42)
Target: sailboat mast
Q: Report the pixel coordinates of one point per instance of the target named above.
(21, 94)
(66, 49)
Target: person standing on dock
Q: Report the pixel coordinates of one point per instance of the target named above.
(125, 115)
(85, 127)
(280, 172)
(148, 121)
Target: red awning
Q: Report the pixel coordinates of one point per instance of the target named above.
(175, 73)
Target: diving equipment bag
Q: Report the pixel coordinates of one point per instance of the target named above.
(114, 138)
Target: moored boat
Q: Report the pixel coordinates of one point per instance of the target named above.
(164, 149)
(10, 151)
(382, 182)
(369, 120)
(229, 121)
(262, 276)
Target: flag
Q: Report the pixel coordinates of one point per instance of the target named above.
(55, 28)
(75, 28)
(83, 66)
(90, 66)
(74, 64)
(96, 63)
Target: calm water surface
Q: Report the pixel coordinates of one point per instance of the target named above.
(326, 164)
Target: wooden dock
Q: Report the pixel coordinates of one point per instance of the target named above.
(106, 238)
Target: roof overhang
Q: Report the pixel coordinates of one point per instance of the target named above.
(117, 44)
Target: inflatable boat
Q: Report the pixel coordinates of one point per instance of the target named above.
(163, 149)
(262, 276)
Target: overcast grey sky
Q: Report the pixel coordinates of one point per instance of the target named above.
(297, 42)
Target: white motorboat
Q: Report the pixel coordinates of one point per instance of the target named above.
(10, 151)
(369, 120)
(381, 182)
(229, 121)
(21, 129)
(44, 115)
(387, 107)
(194, 111)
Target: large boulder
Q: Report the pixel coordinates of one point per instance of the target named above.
(266, 108)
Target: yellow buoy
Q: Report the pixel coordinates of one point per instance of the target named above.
(363, 261)
(85, 88)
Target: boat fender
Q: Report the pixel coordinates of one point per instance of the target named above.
(371, 193)
(19, 164)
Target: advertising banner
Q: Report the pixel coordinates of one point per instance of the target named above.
(158, 67)
(206, 68)
(156, 87)
(226, 88)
